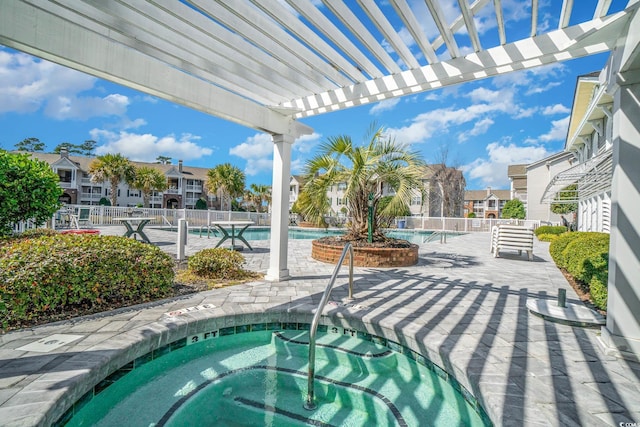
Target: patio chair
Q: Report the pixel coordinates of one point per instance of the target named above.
(83, 217)
(512, 237)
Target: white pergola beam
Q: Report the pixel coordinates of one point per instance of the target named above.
(33, 30)
(359, 30)
(410, 21)
(289, 21)
(601, 8)
(443, 27)
(565, 14)
(497, 4)
(467, 15)
(459, 22)
(385, 27)
(534, 17)
(559, 45)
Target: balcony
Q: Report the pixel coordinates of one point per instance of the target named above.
(173, 191)
(194, 188)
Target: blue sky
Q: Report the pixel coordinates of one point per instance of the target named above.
(484, 126)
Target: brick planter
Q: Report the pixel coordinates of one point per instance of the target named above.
(366, 257)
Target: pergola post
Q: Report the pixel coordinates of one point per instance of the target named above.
(278, 270)
(622, 331)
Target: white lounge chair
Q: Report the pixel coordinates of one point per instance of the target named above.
(512, 237)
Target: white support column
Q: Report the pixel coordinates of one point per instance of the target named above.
(278, 270)
(622, 331)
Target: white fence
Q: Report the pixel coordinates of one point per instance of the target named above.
(103, 215)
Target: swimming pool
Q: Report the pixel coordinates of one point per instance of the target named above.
(264, 233)
(256, 375)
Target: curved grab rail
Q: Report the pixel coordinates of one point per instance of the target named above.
(309, 403)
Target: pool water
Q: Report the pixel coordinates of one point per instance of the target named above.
(257, 233)
(259, 379)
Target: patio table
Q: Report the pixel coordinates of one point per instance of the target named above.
(137, 222)
(236, 233)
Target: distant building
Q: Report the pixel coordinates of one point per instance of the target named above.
(518, 176)
(186, 184)
(485, 203)
(539, 175)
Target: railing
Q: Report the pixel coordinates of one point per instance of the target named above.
(309, 403)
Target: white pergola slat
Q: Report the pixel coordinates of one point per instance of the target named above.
(284, 61)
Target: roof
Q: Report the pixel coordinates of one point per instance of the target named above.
(556, 157)
(267, 64)
(482, 194)
(515, 170)
(83, 162)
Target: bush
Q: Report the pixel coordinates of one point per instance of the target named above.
(218, 263)
(587, 255)
(43, 276)
(547, 237)
(599, 292)
(28, 190)
(550, 229)
(558, 245)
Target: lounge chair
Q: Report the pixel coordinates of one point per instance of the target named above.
(83, 217)
(512, 237)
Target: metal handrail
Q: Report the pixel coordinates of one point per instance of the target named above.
(309, 403)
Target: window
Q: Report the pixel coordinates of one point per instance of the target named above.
(491, 203)
(342, 186)
(416, 201)
(65, 175)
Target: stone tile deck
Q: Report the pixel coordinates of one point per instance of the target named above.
(459, 306)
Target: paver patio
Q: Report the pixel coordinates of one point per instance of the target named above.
(459, 306)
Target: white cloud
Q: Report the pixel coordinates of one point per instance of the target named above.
(147, 147)
(28, 85)
(479, 128)
(555, 109)
(386, 105)
(492, 172)
(257, 150)
(558, 130)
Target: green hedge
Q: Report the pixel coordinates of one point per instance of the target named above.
(44, 275)
(585, 255)
(559, 244)
(550, 229)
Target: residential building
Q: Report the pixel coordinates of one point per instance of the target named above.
(539, 175)
(590, 142)
(518, 176)
(186, 184)
(485, 203)
(295, 185)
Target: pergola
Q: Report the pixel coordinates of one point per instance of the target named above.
(266, 63)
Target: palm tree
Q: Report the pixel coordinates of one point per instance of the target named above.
(364, 169)
(262, 195)
(148, 180)
(113, 168)
(228, 180)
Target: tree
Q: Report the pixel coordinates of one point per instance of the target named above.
(113, 168)
(228, 180)
(147, 180)
(387, 220)
(84, 149)
(513, 209)
(28, 189)
(30, 144)
(364, 168)
(163, 160)
(261, 195)
(447, 187)
(564, 202)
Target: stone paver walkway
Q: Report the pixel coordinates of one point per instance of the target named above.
(459, 306)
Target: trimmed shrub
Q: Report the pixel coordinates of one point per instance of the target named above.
(558, 245)
(599, 291)
(218, 263)
(45, 275)
(587, 255)
(547, 237)
(550, 229)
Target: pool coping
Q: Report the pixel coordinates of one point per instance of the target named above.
(170, 332)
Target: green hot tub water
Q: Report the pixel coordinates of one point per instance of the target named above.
(259, 379)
